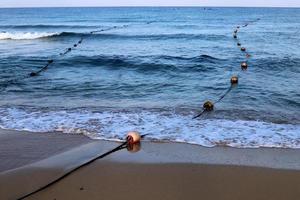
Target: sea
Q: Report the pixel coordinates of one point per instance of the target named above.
(150, 69)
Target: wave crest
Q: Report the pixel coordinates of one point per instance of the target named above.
(26, 35)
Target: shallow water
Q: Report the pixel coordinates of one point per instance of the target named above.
(152, 73)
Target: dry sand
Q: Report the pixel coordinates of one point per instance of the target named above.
(158, 171)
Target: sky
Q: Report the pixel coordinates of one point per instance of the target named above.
(79, 3)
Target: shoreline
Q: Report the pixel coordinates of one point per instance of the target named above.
(180, 168)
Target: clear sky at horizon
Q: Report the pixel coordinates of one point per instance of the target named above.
(79, 3)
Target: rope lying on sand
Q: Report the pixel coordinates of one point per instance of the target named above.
(130, 141)
(208, 105)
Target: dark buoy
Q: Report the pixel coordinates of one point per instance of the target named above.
(244, 65)
(243, 49)
(234, 80)
(33, 74)
(234, 36)
(50, 61)
(69, 49)
(235, 31)
(75, 45)
(208, 106)
(238, 27)
(239, 44)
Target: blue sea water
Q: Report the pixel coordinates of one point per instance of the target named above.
(151, 71)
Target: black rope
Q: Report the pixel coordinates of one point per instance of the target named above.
(118, 148)
(200, 114)
(225, 94)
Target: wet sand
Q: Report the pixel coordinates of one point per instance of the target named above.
(20, 148)
(158, 171)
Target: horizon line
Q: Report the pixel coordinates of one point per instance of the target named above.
(162, 6)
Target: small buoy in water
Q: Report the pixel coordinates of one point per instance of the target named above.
(239, 44)
(244, 65)
(235, 31)
(208, 106)
(234, 36)
(33, 74)
(238, 27)
(69, 49)
(248, 55)
(133, 148)
(133, 137)
(75, 45)
(50, 61)
(234, 80)
(243, 49)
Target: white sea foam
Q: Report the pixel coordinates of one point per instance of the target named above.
(25, 35)
(160, 126)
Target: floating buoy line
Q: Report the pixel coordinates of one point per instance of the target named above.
(208, 106)
(133, 139)
(65, 52)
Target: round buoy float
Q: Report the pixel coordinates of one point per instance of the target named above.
(234, 36)
(208, 106)
(33, 74)
(69, 49)
(234, 80)
(235, 31)
(238, 27)
(243, 49)
(133, 148)
(244, 65)
(50, 61)
(75, 45)
(239, 44)
(133, 137)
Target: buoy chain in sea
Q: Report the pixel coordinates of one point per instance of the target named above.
(68, 50)
(208, 106)
(49, 62)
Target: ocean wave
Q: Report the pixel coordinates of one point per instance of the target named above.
(161, 126)
(45, 26)
(99, 34)
(26, 35)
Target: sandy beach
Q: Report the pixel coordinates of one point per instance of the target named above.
(157, 171)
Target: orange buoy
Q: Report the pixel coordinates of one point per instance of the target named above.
(243, 49)
(244, 65)
(208, 106)
(133, 148)
(133, 137)
(234, 80)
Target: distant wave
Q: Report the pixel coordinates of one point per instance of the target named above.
(45, 26)
(25, 35)
(98, 34)
(104, 35)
